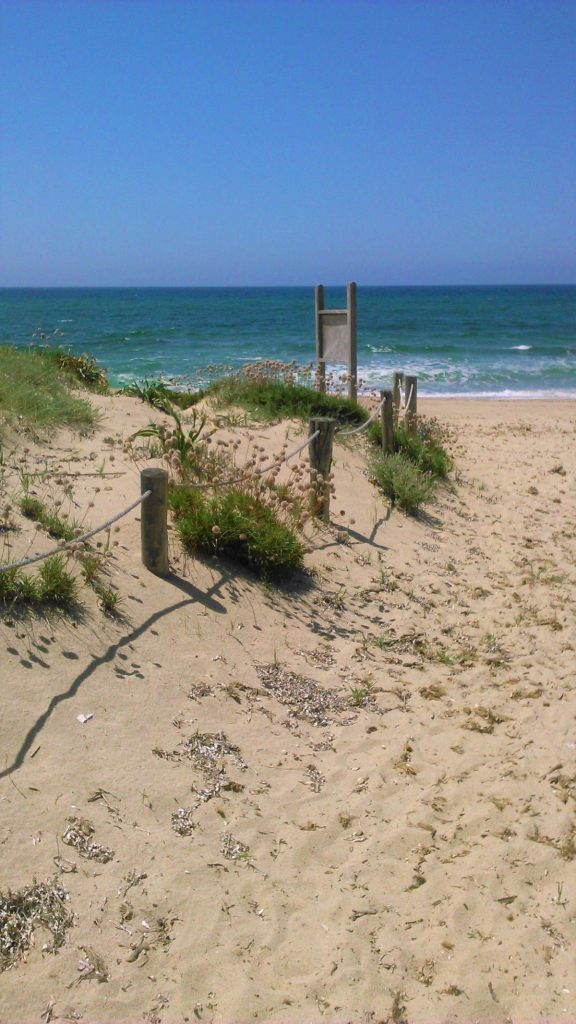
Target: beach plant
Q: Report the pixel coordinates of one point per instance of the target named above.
(81, 370)
(109, 601)
(48, 518)
(274, 390)
(178, 440)
(238, 525)
(425, 448)
(362, 695)
(401, 481)
(34, 396)
(51, 584)
(157, 394)
(55, 584)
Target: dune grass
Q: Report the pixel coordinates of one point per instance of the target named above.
(80, 371)
(34, 395)
(237, 525)
(403, 482)
(51, 585)
(425, 448)
(157, 394)
(48, 518)
(271, 390)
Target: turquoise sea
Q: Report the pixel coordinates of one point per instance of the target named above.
(497, 342)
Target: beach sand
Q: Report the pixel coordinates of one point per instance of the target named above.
(407, 853)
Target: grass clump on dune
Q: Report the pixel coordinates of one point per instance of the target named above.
(272, 390)
(54, 525)
(34, 395)
(238, 525)
(425, 448)
(52, 585)
(81, 371)
(401, 481)
(157, 394)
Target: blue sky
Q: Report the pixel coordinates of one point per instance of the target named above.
(197, 142)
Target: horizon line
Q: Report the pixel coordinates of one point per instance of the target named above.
(190, 287)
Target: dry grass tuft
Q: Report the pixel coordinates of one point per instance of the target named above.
(43, 904)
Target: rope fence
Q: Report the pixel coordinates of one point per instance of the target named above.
(77, 540)
(358, 430)
(154, 481)
(257, 472)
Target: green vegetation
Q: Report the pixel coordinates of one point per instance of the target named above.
(362, 695)
(34, 395)
(236, 524)
(57, 527)
(160, 396)
(82, 371)
(401, 480)
(51, 585)
(109, 600)
(425, 449)
(177, 440)
(271, 390)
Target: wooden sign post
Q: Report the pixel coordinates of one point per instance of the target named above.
(336, 338)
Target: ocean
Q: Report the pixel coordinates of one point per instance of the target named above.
(494, 342)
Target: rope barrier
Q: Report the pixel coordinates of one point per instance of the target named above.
(257, 472)
(109, 522)
(358, 430)
(77, 540)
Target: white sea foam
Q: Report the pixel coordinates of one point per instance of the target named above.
(520, 348)
(503, 396)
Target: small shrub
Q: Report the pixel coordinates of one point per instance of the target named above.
(425, 448)
(401, 481)
(238, 525)
(82, 370)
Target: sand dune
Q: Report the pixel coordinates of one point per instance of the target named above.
(406, 854)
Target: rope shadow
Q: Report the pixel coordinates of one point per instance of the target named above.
(193, 596)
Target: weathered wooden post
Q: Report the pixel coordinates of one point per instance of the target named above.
(352, 351)
(320, 358)
(387, 422)
(397, 380)
(411, 399)
(154, 520)
(320, 462)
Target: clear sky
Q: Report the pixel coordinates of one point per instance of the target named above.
(195, 142)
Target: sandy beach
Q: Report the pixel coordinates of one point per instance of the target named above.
(394, 838)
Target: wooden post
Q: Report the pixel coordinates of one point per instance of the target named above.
(320, 362)
(353, 356)
(387, 422)
(154, 520)
(321, 461)
(411, 399)
(397, 380)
